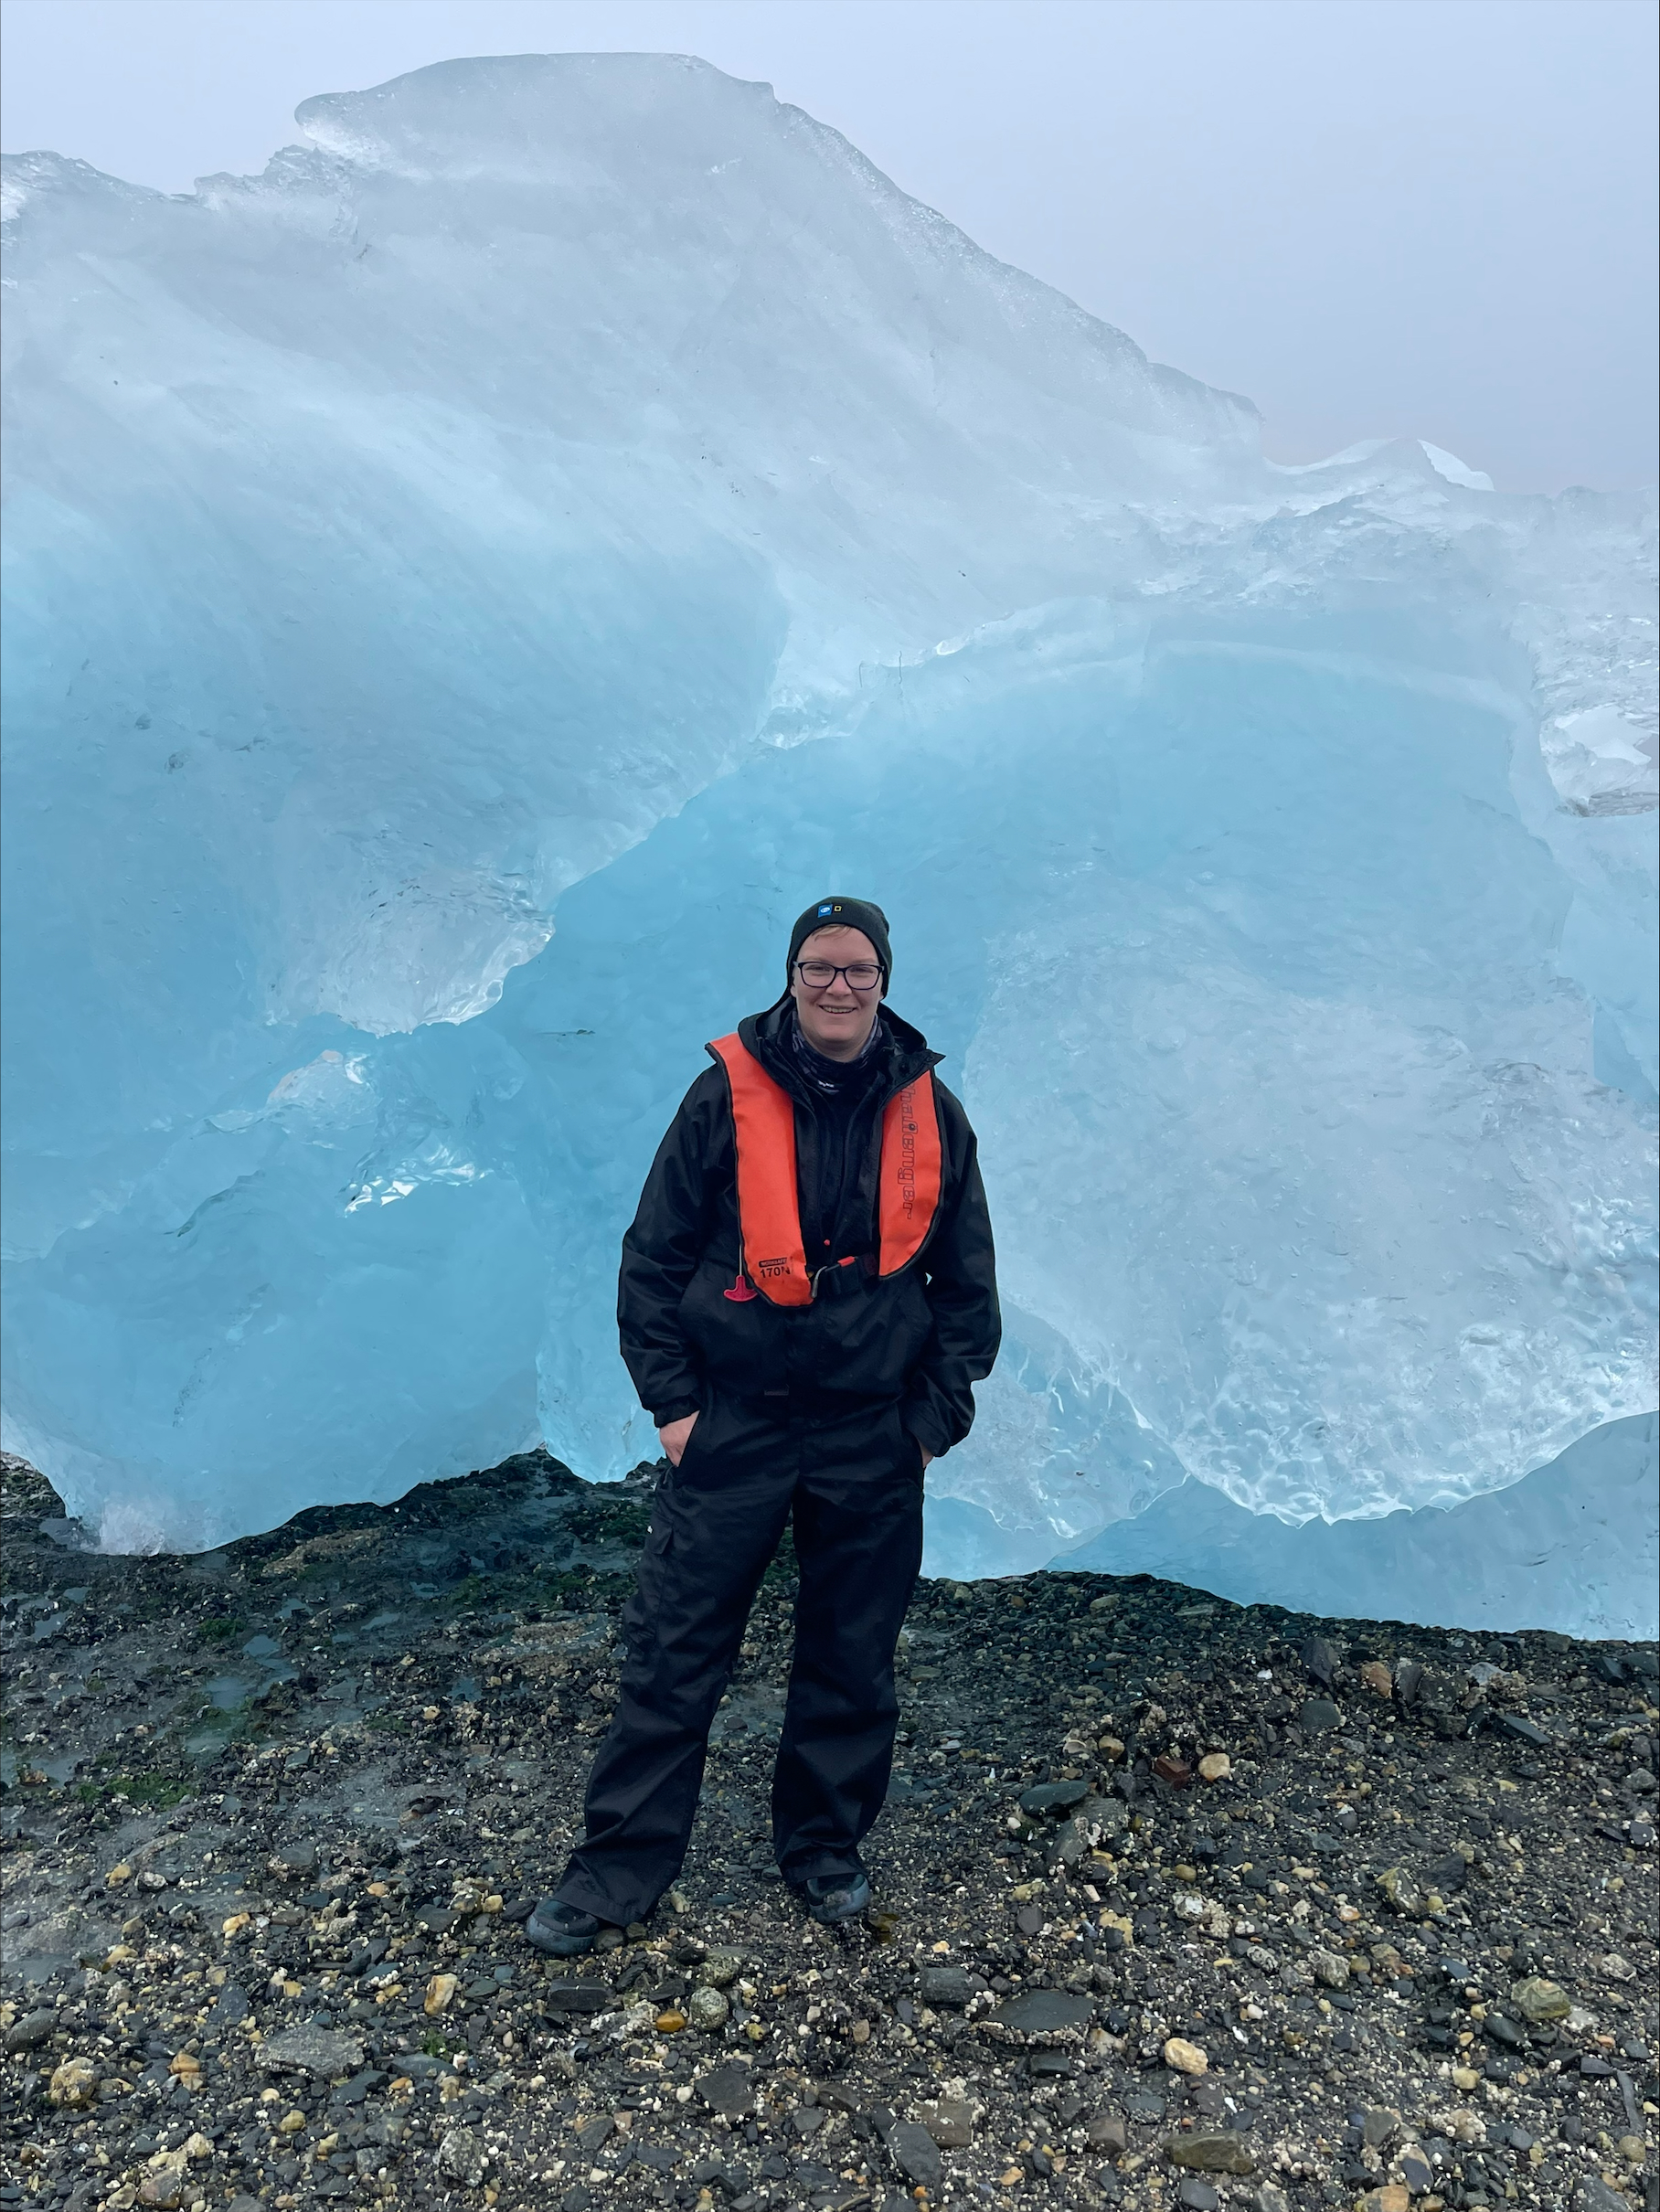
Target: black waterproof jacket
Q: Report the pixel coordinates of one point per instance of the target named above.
(920, 1337)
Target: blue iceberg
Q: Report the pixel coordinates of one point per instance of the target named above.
(468, 587)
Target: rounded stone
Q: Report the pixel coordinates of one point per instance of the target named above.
(1185, 2057)
(74, 2083)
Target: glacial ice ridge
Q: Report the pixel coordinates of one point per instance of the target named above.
(469, 586)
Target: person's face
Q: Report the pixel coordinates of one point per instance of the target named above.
(836, 1016)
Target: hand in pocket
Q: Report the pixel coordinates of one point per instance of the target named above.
(676, 1437)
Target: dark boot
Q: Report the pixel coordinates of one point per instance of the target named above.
(830, 1897)
(564, 1931)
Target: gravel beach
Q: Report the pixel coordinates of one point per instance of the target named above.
(1177, 1903)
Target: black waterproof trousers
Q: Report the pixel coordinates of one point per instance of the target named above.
(853, 1485)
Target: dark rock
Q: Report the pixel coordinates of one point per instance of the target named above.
(1196, 2195)
(1108, 2131)
(1319, 1715)
(1044, 2012)
(944, 1986)
(1320, 1660)
(1051, 1797)
(360, 2086)
(1593, 2194)
(32, 2030)
(1440, 1699)
(573, 1997)
(293, 1860)
(728, 2091)
(1528, 1731)
(1448, 1874)
(916, 2154)
(1416, 2171)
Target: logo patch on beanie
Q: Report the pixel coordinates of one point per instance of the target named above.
(831, 906)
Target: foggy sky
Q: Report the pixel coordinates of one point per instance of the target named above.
(1376, 218)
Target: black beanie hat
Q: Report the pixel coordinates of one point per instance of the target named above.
(842, 914)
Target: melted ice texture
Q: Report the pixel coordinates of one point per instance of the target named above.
(473, 584)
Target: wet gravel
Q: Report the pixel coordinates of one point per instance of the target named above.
(1177, 1903)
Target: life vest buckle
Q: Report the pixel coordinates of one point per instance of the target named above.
(862, 1260)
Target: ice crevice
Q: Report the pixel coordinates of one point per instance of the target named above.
(469, 586)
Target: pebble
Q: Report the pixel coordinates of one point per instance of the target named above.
(74, 2083)
(1184, 2057)
(1196, 2195)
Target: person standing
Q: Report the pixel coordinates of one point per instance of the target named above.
(807, 1295)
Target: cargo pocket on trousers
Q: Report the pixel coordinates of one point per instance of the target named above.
(641, 1612)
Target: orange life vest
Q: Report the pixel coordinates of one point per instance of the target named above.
(769, 1204)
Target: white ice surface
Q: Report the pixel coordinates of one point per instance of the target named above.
(468, 587)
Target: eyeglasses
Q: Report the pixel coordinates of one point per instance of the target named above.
(819, 975)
